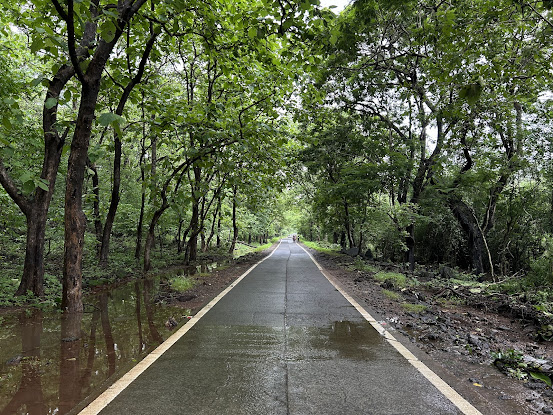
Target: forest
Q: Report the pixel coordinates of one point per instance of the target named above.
(138, 134)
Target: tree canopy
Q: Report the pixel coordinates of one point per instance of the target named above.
(417, 130)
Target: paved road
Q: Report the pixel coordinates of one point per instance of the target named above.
(283, 341)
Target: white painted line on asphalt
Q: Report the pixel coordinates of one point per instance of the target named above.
(109, 394)
(464, 406)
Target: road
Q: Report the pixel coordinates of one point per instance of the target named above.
(284, 340)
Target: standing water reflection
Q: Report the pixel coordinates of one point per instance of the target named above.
(49, 362)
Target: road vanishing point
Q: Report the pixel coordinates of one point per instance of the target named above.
(282, 339)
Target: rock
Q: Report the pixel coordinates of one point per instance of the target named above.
(369, 255)
(541, 364)
(171, 323)
(547, 410)
(186, 297)
(428, 320)
(474, 340)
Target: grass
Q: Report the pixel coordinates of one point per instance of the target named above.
(181, 283)
(263, 247)
(363, 266)
(392, 295)
(395, 278)
(328, 249)
(414, 308)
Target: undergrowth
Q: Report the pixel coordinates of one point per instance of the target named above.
(324, 247)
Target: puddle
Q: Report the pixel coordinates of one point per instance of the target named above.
(49, 362)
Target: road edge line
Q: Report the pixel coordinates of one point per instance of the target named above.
(104, 399)
(461, 403)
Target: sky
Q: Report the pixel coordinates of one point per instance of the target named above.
(339, 3)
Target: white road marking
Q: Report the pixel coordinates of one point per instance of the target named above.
(109, 394)
(464, 406)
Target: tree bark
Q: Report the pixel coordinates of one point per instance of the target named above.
(234, 223)
(75, 220)
(476, 239)
(150, 238)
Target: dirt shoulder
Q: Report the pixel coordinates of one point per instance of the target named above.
(463, 338)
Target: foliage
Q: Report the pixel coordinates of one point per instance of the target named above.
(396, 279)
(181, 283)
(541, 269)
(322, 247)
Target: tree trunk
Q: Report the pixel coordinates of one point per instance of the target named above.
(75, 220)
(195, 227)
(213, 222)
(234, 224)
(115, 197)
(151, 236)
(479, 254)
(115, 192)
(96, 205)
(192, 244)
(219, 220)
(139, 227)
(410, 242)
(347, 224)
(33, 269)
(36, 208)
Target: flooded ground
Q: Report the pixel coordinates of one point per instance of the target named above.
(49, 362)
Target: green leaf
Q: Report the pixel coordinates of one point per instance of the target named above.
(25, 177)
(43, 184)
(107, 118)
(28, 186)
(108, 31)
(37, 45)
(36, 81)
(6, 123)
(252, 32)
(541, 376)
(50, 103)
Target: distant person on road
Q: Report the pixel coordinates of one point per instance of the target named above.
(298, 239)
(294, 238)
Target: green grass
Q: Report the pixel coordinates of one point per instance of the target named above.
(329, 249)
(181, 283)
(392, 295)
(263, 247)
(414, 308)
(363, 266)
(395, 278)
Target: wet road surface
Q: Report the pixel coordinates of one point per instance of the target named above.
(283, 341)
